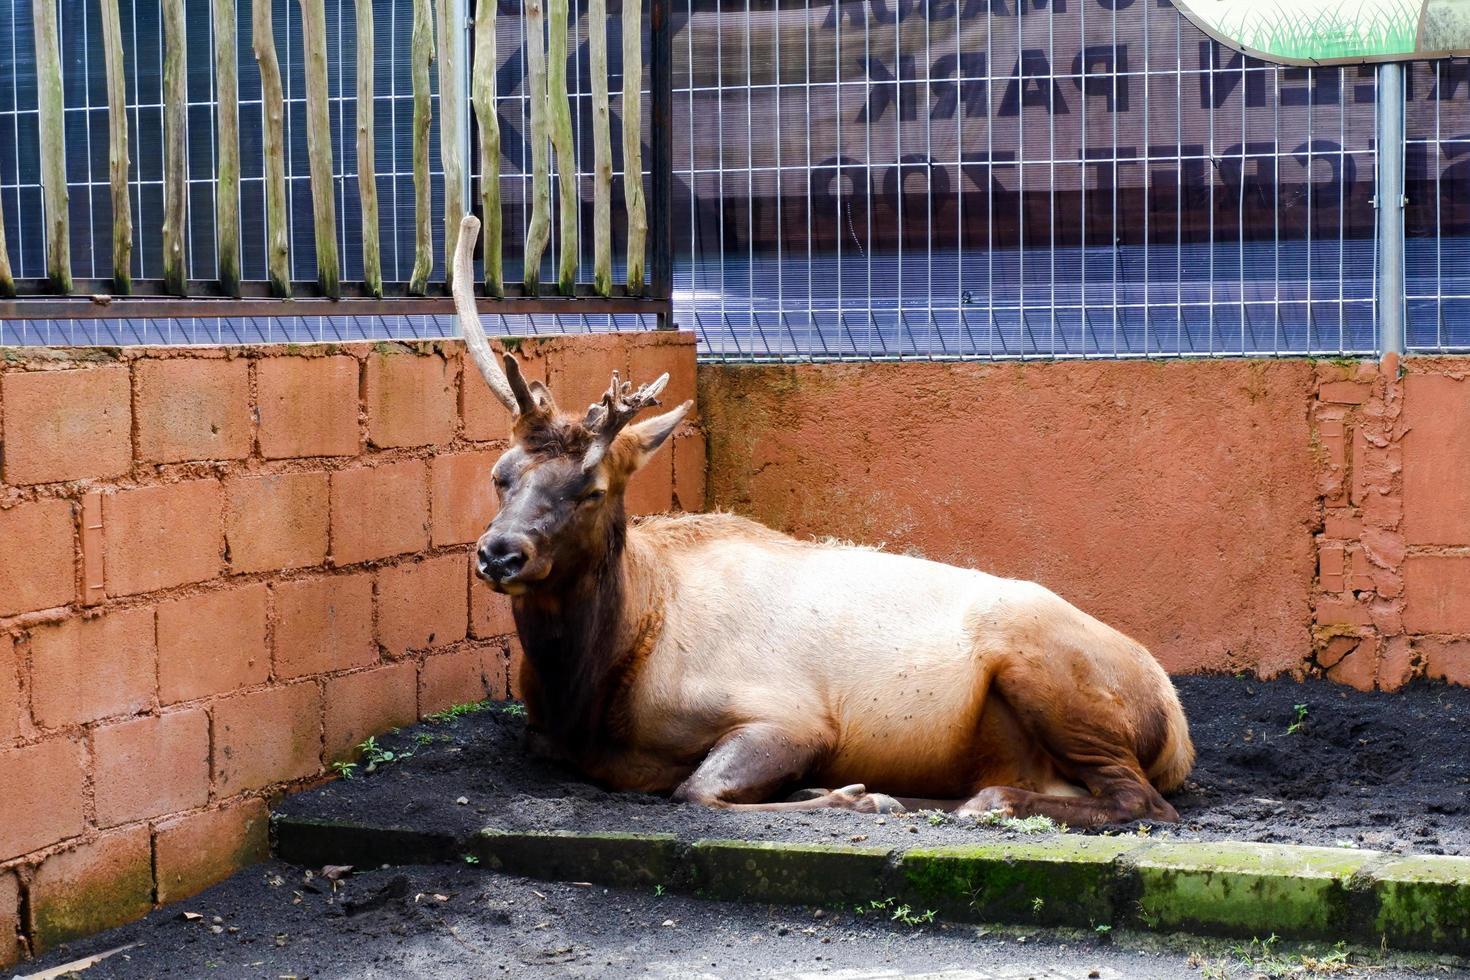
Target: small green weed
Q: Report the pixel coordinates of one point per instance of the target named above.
(1023, 825)
(658, 891)
(1300, 719)
(902, 913)
(471, 859)
(346, 770)
(1038, 905)
(457, 711)
(935, 817)
(374, 755)
(513, 709)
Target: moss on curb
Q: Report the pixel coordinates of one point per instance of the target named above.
(1240, 889)
(1061, 880)
(1424, 903)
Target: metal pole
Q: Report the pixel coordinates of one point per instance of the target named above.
(1390, 202)
(661, 132)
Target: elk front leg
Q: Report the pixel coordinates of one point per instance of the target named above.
(750, 764)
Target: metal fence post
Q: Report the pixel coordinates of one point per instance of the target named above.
(1390, 202)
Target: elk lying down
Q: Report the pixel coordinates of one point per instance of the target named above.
(711, 657)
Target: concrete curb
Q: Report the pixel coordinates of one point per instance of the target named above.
(1241, 890)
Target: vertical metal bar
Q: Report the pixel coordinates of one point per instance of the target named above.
(661, 73)
(1389, 113)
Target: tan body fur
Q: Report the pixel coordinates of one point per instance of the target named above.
(900, 672)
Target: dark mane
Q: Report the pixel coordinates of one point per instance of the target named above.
(572, 637)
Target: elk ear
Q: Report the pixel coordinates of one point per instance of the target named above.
(647, 436)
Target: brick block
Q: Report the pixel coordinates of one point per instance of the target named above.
(1437, 594)
(490, 613)
(651, 489)
(1337, 612)
(85, 669)
(379, 511)
(1436, 459)
(192, 408)
(160, 537)
(95, 886)
(67, 425)
(1360, 569)
(192, 853)
(1344, 392)
(9, 690)
(463, 496)
(1330, 567)
(653, 354)
(10, 951)
(50, 808)
(1445, 660)
(308, 406)
(38, 556)
(369, 702)
(1395, 663)
(267, 737)
(454, 678)
(411, 399)
(151, 766)
(1341, 525)
(274, 522)
(485, 418)
(580, 368)
(212, 644)
(324, 624)
(690, 468)
(422, 604)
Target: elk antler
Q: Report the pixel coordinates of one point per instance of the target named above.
(619, 405)
(463, 286)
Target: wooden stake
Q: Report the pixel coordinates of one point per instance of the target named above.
(277, 246)
(452, 113)
(601, 150)
(633, 142)
(227, 180)
(421, 53)
(53, 146)
(175, 148)
(483, 97)
(367, 171)
(538, 231)
(319, 147)
(7, 281)
(561, 141)
(117, 150)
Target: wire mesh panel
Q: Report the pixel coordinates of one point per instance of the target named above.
(1437, 216)
(1004, 178)
(90, 205)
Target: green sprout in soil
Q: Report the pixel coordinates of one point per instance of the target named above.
(375, 755)
(1265, 958)
(345, 770)
(1038, 905)
(935, 817)
(658, 891)
(1300, 713)
(471, 859)
(457, 711)
(1022, 825)
(902, 913)
(513, 709)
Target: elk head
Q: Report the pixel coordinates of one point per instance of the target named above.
(561, 483)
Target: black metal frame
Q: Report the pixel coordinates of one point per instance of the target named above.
(92, 298)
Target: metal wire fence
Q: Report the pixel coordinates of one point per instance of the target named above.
(869, 178)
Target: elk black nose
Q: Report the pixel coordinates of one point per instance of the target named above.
(502, 558)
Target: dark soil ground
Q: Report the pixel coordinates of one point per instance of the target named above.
(1379, 771)
(277, 921)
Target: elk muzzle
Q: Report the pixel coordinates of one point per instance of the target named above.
(504, 560)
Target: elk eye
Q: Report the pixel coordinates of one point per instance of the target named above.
(591, 496)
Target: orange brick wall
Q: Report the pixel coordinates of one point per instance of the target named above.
(221, 569)
(1275, 517)
(1393, 556)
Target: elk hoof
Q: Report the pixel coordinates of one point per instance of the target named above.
(805, 795)
(857, 798)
